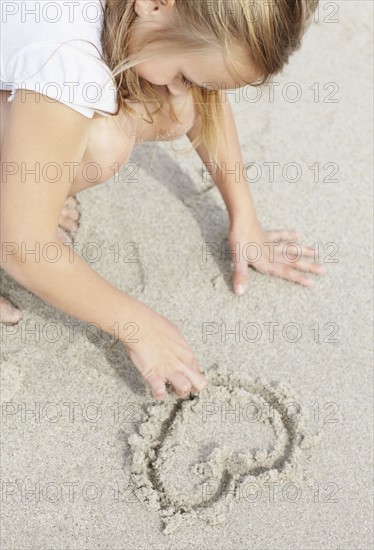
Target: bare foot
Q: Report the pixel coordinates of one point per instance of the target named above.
(9, 314)
(68, 222)
(67, 228)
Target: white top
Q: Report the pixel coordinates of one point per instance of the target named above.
(54, 48)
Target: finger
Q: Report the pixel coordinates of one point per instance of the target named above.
(182, 386)
(296, 262)
(240, 279)
(295, 249)
(188, 358)
(197, 380)
(306, 251)
(308, 267)
(290, 274)
(196, 367)
(157, 386)
(193, 364)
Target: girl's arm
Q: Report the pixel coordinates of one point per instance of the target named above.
(44, 138)
(267, 255)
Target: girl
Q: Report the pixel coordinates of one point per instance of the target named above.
(171, 61)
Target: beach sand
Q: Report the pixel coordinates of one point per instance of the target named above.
(276, 453)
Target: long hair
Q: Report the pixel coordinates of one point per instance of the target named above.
(269, 31)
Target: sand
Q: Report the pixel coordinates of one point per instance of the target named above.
(277, 452)
(219, 443)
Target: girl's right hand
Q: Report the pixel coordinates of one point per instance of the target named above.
(162, 355)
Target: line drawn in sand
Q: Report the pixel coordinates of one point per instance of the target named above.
(191, 463)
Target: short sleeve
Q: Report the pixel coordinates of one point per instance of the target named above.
(71, 72)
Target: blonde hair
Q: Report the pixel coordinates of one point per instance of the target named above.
(268, 30)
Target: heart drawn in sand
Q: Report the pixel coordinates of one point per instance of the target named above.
(192, 458)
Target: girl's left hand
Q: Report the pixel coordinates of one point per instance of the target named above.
(273, 252)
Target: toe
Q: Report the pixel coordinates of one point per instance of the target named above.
(71, 202)
(68, 224)
(63, 236)
(9, 314)
(70, 216)
(72, 213)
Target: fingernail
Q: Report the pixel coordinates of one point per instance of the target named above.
(309, 282)
(160, 397)
(202, 385)
(322, 269)
(239, 289)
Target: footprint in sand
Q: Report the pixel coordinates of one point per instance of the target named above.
(192, 458)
